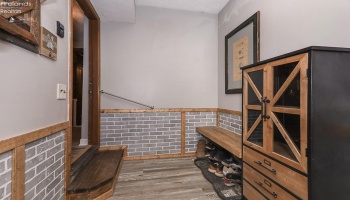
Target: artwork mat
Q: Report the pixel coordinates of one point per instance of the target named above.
(240, 55)
(250, 28)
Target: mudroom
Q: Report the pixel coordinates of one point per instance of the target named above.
(174, 99)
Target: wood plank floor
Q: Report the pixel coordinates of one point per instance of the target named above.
(162, 179)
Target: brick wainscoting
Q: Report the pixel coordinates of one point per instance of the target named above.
(143, 133)
(193, 120)
(32, 165)
(231, 122)
(44, 168)
(162, 132)
(5, 175)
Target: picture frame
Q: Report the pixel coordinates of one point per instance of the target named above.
(20, 23)
(48, 44)
(242, 47)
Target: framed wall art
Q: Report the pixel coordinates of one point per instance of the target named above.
(48, 44)
(20, 23)
(242, 47)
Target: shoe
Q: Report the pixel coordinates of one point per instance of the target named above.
(200, 153)
(227, 170)
(207, 152)
(221, 155)
(213, 166)
(228, 182)
(219, 169)
(231, 162)
(238, 188)
(233, 176)
(231, 182)
(237, 171)
(210, 146)
(235, 166)
(212, 154)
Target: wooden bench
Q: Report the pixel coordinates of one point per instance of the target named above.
(228, 140)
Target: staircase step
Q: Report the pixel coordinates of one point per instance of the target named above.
(82, 161)
(98, 176)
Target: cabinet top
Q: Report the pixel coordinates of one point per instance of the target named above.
(304, 50)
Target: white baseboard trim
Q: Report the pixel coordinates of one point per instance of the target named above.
(83, 142)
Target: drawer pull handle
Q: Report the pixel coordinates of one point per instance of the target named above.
(274, 194)
(271, 170)
(267, 162)
(267, 183)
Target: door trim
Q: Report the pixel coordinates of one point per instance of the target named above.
(94, 71)
(94, 67)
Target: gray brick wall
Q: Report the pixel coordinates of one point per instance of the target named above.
(143, 133)
(5, 175)
(231, 122)
(44, 168)
(193, 120)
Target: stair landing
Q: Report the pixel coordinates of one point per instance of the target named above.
(98, 176)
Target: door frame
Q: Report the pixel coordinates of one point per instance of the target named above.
(94, 76)
(94, 70)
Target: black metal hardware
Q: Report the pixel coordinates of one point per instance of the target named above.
(267, 162)
(264, 116)
(267, 183)
(271, 170)
(258, 162)
(262, 108)
(274, 194)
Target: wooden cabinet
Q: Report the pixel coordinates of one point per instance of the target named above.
(282, 175)
(285, 102)
(250, 193)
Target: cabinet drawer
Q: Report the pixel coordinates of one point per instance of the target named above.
(265, 185)
(250, 193)
(293, 181)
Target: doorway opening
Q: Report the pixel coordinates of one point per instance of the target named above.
(80, 81)
(85, 77)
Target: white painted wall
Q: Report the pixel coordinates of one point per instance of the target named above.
(167, 59)
(85, 97)
(28, 81)
(285, 26)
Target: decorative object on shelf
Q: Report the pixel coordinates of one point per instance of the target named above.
(20, 23)
(48, 44)
(242, 47)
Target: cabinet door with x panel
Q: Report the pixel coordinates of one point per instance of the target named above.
(296, 130)
(275, 110)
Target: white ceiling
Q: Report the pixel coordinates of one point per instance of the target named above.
(207, 6)
(124, 10)
(115, 10)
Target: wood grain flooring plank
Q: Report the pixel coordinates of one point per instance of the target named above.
(176, 178)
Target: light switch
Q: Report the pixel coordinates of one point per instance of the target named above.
(61, 91)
